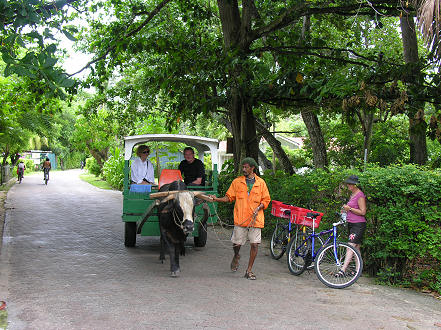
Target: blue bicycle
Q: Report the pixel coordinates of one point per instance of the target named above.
(337, 264)
(282, 235)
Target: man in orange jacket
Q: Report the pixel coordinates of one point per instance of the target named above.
(251, 197)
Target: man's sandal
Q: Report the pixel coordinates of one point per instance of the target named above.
(235, 263)
(250, 276)
(340, 274)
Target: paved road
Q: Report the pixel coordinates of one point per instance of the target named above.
(64, 266)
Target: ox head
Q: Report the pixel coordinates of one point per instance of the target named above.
(183, 203)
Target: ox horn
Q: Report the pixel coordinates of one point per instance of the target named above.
(163, 194)
(201, 195)
(166, 199)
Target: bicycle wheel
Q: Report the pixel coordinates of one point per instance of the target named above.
(297, 251)
(327, 268)
(279, 241)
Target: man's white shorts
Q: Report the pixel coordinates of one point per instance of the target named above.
(240, 235)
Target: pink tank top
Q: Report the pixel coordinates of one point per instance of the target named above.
(353, 203)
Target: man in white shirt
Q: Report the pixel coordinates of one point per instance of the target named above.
(20, 169)
(142, 168)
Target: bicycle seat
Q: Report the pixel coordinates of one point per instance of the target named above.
(312, 215)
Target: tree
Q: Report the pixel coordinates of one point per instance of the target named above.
(181, 56)
(414, 78)
(29, 49)
(429, 21)
(23, 113)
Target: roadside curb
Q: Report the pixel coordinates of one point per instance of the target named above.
(3, 196)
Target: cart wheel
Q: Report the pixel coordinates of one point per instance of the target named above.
(130, 234)
(201, 240)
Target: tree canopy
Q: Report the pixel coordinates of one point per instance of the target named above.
(242, 64)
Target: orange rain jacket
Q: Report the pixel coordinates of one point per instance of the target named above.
(246, 204)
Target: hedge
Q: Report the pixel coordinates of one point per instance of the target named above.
(92, 166)
(113, 171)
(402, 243)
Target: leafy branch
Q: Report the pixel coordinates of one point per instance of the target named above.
(129, 34)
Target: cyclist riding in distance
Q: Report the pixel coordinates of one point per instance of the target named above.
(46, 167)
(20, 169)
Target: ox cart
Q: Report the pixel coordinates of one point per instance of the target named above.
(140, 212)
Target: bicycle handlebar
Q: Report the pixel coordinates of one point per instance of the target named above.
(343, 219)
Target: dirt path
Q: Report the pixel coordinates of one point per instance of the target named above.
(64, 266)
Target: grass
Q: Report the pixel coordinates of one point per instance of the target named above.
(7, 185)
(3, 319)
(95, 181)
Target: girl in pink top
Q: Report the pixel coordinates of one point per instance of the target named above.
(356, 207)
(356, 210)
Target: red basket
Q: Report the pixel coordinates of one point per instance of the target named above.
(299, 217)
(278, 209)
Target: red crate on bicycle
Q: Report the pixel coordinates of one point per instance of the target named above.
(299, 217)
(281, 210)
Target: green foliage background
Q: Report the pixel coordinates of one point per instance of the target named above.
(113, 170)
(402, 243)
(92, 166)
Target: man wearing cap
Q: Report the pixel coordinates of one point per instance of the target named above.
(251, 197)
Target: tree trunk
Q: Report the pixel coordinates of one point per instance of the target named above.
(367, 132)
(99, 155)
(366, 119)
(277, 147)
(241, 116)
(14, 158)
(264, 162)
(5, 155)
(417, 124)
(318, 145)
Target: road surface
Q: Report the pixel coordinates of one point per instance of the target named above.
(63, 265)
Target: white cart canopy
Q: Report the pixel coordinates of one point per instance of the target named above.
(201, 144)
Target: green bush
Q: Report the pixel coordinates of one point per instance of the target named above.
(73, 160)
(402, 243)
(92, 166)
(403, 236)
(113, 171)
(29, 163)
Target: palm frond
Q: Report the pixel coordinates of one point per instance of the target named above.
(429, 23)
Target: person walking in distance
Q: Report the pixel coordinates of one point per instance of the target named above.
(20, 169)
(46, 168)
(251, 197)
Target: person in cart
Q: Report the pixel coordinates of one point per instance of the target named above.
(142, 168)
(192, 169)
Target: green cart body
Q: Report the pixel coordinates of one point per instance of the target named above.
(139, 212)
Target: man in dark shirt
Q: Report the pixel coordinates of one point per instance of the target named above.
(192, 169)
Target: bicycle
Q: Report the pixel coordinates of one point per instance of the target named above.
(20, 174)
(329, 259)
(283, 233)
(46, 175)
